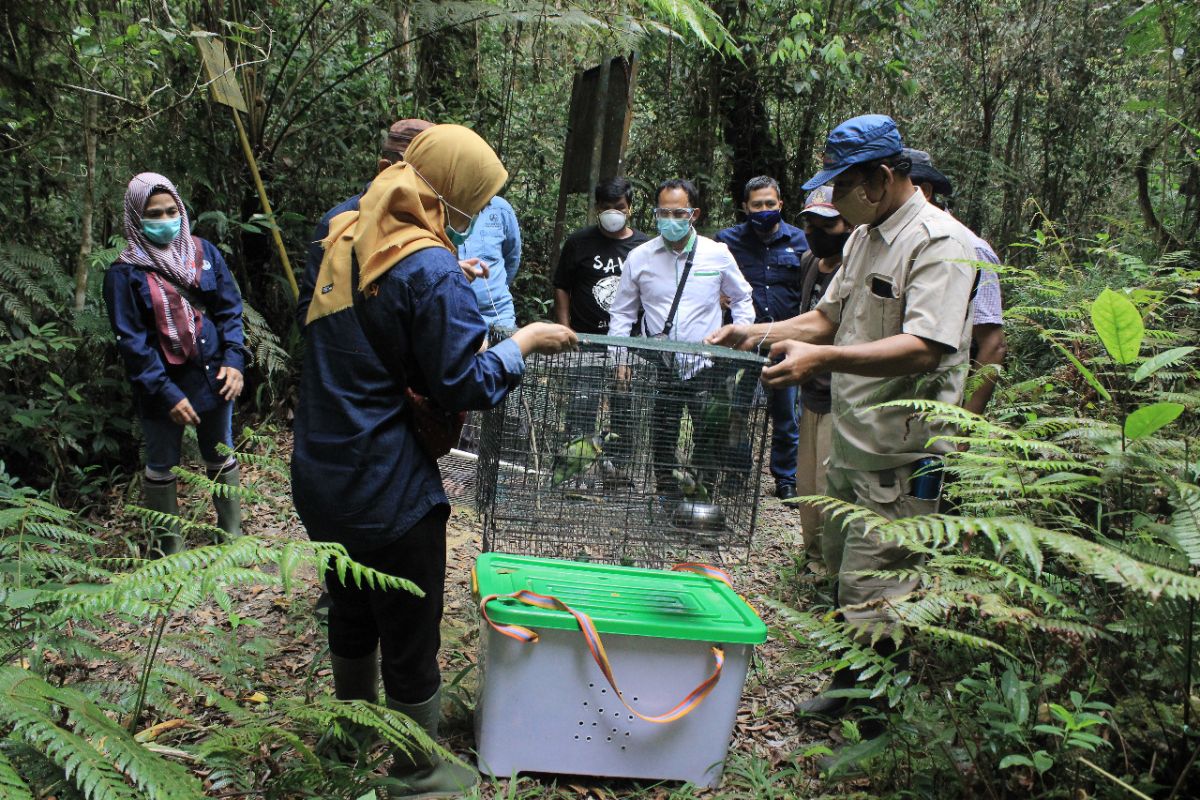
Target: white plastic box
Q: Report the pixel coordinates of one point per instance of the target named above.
(546, 706)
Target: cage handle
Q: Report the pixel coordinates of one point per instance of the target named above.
(590, 635)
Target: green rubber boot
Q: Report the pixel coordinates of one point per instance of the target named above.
(421, 775)
(165, 540)
(229, 509)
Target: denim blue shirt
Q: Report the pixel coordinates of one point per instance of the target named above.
(772, 267)
(495, 239)
(158, 386)
(359, 476)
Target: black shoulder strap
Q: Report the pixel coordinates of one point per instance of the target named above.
(974, 290)
(687, 268)
(808, 262)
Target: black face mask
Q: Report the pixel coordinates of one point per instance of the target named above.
(824, 245)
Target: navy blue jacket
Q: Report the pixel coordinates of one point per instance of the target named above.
(771, 267)
(359, 477)
(157, 386)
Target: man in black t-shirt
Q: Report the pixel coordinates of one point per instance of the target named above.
(589, 269)
(592, 258)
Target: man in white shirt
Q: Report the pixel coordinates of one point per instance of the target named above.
(679, 268)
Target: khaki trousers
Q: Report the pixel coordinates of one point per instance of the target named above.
(850, 549)
(815, 430)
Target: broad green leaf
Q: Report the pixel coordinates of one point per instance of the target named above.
(1117, 321)
(1015, 760)
(1155, 363)
(1148, 419)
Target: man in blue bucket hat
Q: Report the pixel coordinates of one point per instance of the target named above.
(894, 324)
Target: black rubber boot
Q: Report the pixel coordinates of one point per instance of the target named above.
(229, 507)
(425, 776)
(162, 496)
(353, 679)
(822, 705)
(356, 678)
(834, 707)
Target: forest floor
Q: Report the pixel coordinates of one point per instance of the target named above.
(771, 755)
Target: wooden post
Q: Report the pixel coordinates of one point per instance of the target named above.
(598, 134)
(225, 90)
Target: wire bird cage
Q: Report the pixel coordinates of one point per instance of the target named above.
(459, 467)
(628, 451)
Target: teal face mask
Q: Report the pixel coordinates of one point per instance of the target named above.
(674, 229)
(162, 231)
(458, 238)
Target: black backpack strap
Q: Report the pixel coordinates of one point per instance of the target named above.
(687, 268)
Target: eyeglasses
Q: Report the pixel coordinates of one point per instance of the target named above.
(673, 213)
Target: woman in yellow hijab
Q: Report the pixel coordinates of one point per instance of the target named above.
(359, 475)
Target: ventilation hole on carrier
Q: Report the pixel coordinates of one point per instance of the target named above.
(626, 733)
(614, 730)
(631, 717)
(635, 699)
(593, 724)
(608, 738)
(601, 710)
(589, 738)
(604, 691)
(622, 747)
(580, 722)
(577, 738)
(591, 686)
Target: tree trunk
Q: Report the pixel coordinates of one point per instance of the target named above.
(89, 201)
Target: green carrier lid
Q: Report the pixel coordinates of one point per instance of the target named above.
(620, 600)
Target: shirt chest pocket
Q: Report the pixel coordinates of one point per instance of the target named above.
(881, 314)
(701, 284)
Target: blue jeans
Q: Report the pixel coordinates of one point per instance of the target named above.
(785, 434)
(164, 440)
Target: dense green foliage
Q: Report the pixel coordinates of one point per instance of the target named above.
(1053, 632)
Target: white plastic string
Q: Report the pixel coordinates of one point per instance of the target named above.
(488, 286)
(770, 325)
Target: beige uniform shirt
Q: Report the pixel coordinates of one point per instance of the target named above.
(912, 273)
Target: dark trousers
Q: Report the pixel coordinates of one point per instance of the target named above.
(673, 397)
(405, 627)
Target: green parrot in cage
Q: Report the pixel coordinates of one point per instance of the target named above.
(578, 456)
(718, 407)
(691, 488)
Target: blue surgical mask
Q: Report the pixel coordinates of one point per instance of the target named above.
(765, 220)
(674, 230)
(162, 231)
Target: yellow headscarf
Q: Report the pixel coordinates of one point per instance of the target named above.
(402, 213)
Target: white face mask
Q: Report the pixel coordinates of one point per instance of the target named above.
(612, 220)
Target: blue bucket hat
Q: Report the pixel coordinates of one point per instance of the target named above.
(864, 138)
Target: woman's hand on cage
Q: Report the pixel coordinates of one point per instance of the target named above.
(735, 336)
(545, 337)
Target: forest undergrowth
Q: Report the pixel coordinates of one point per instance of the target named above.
(1052, 633)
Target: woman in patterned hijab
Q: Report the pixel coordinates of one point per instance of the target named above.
(177, 316)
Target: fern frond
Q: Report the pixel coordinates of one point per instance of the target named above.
(95, 753)
(12, 786)
(1185, 522)
(246, 494)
